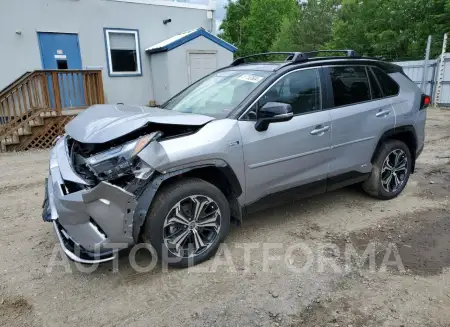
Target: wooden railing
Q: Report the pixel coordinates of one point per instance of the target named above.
(48, 90)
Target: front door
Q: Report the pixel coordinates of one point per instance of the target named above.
(293, 153)
(62, 51)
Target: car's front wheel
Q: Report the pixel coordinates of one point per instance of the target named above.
(187, 221)
(390, 172)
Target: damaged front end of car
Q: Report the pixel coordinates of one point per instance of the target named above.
(93, 187)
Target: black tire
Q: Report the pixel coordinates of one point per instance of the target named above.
(373, 185)
(165, 200)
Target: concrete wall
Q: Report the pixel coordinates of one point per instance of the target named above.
(20, 53)
(178, 61)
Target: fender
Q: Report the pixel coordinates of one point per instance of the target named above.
(149, 190)
(398, 130)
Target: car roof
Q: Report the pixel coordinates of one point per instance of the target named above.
(299, 59)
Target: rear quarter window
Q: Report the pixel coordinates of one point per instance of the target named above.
(388, 85)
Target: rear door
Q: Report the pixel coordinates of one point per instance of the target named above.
(293, 153)
(360, 115)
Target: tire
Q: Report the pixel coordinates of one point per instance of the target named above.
(157, 232)
(374, 185)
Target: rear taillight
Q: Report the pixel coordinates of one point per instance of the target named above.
(426, 101)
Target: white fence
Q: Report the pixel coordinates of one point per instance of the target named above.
(415, 69)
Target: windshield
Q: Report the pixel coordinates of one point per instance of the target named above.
(218, 94)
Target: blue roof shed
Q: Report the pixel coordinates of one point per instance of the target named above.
(185, 58)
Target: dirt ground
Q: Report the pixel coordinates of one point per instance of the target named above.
(323, 283)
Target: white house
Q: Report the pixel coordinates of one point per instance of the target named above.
(148, 50)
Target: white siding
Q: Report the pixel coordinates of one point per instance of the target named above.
(178, 61)
(20, 53)
(160, 77)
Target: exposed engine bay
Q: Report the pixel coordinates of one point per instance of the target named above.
(116, 161)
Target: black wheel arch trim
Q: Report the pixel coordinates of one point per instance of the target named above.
(150, 188)
(397, 130)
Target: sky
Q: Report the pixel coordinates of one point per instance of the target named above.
(220, 10)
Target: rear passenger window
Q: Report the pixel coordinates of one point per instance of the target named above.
(350, 85)
(376, 91)
(388, 85)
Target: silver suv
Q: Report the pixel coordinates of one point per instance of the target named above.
(245, 137)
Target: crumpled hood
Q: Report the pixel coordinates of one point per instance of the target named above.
(103, 123)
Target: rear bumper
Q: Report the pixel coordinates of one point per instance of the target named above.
(91, 224)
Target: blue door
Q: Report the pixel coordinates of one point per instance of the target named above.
(62, 51)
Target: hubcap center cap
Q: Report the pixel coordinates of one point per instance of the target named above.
(192, 225)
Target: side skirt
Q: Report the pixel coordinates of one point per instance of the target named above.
(304, 191)
(346, 179)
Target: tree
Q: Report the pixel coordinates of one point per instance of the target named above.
(233, 28)
(309, 28)
(394, 29)
(252, 25)
(264, 22)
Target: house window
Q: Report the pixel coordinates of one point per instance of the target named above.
(122, 47)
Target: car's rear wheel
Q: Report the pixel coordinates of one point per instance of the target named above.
(187, 222)
(390, 172)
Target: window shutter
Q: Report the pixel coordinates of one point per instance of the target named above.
(122, 41)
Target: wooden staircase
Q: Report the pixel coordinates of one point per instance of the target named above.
(35, 108)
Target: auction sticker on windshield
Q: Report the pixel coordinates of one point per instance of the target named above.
(250, 78)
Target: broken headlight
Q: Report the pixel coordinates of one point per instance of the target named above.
(120, 160)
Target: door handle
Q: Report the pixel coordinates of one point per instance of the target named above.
(383, 113)
(319, 130)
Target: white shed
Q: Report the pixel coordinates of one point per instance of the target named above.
(184, 58)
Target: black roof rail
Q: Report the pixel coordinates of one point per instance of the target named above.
(348, 52)
(291, 56)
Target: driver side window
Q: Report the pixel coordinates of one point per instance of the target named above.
(300, 89)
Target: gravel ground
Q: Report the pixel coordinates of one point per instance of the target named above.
(311, 279)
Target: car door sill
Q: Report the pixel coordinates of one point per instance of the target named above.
(304, 191)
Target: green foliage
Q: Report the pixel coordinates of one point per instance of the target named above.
(234, 26)
(252, 25)
(394, 29)
(309, 28)
(264, 22)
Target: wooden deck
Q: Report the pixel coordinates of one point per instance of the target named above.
(41, 96)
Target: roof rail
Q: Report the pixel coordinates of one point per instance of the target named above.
(348, 52)
(291, 56)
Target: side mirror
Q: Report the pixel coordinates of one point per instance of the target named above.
(273, 112)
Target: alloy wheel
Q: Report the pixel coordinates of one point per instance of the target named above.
(394, 171)
(192, 226)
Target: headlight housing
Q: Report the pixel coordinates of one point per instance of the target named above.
(120, 160)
